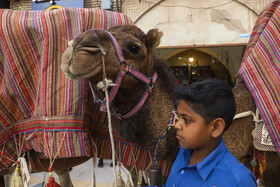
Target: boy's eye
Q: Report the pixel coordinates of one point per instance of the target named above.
(186, 120)
(177, 118)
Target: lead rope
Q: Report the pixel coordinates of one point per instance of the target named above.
(104, 85)
(169, 126)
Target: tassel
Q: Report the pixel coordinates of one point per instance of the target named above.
(25, 172)
(261, 168)
(120, 182)
(128, 183)
(264, 161)
(253, 163)
(52, 182)
(16, 179)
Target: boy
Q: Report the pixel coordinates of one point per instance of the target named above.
(205, 111)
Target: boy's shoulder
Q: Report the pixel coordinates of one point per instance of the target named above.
(233, 163)
(239, 172)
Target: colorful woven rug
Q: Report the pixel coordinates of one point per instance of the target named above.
(40, 108)
(260, 68)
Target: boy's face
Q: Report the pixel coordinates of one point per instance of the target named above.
(192, 132)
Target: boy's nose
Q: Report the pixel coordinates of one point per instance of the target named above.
(178, 125)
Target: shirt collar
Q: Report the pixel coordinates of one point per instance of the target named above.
(205, 167)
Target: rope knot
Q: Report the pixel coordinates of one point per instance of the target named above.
(105, 84)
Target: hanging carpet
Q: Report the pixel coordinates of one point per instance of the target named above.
(260, 68)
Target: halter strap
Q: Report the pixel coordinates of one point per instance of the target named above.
(150, 84)
(117, 48)
(128, 69)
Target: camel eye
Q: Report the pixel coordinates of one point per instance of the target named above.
(134, 49)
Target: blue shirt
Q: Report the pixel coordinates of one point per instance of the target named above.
(219, 169)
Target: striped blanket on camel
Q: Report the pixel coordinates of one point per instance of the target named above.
(260, 68)
(40, 109)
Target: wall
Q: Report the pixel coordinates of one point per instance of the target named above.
(20, 4)
(188, 22)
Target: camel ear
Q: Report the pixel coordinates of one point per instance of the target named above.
(152, 39)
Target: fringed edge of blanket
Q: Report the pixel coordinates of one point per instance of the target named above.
(129, 154)
(67, 137)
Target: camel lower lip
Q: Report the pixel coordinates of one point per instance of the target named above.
(85, 75)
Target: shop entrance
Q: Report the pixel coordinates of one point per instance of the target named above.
(194, 64)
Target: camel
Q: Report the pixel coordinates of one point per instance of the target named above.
(142, 127)
(83, 60)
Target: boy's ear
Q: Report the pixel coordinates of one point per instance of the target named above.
(218, 126)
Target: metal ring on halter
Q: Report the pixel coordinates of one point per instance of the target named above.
(102, 51)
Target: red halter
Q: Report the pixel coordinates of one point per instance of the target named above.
(128, 69)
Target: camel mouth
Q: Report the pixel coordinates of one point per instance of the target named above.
(85, 63)
(89, 74)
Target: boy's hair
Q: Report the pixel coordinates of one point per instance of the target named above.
(211, 98)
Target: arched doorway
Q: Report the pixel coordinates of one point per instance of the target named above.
(192, 64)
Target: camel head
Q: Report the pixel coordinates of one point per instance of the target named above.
(83, 58)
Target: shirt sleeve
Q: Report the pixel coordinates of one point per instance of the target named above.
(247, 181)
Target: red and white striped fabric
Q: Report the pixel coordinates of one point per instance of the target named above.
(260, 68)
